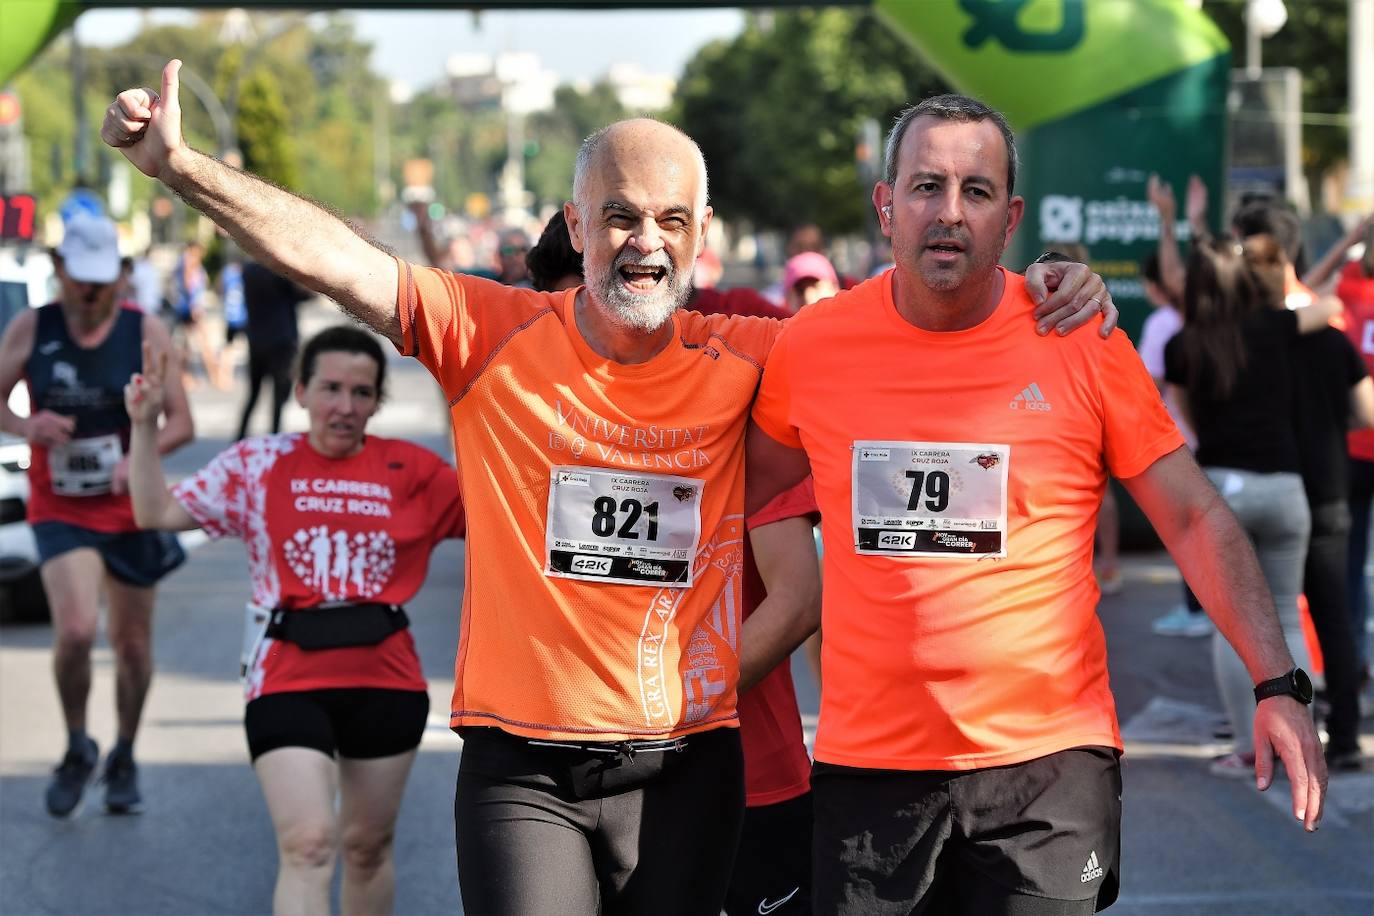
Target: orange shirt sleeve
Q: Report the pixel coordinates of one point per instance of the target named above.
(454, 323)
(773, 405)
(1138, 430)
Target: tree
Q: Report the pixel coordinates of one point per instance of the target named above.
(778, 110)
(1315, 41)
(264, 132)
(559, 132)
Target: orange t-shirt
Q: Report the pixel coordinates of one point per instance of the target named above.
(594, 491)
(1002, 441)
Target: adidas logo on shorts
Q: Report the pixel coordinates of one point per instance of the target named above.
(1092, 871)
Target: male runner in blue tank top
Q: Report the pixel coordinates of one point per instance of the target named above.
(76, 356)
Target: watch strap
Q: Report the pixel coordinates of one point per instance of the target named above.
(1283, 685)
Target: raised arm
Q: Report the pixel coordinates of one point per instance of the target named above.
(1171, 270)
(144, 397)
(1218, 563)
(1330, 263)
(291, 235)
(177, 427)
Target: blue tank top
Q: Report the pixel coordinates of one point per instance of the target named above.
(87, 384)
(72, 483)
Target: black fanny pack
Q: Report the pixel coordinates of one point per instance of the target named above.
(338, 626)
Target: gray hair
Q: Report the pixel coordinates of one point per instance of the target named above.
(587, 153)
(950, 108)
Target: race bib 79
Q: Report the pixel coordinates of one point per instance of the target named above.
(930, 499)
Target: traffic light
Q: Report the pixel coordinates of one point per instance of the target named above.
(14, 148)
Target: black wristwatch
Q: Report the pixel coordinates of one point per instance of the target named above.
(1295, 684)
(1052, 257)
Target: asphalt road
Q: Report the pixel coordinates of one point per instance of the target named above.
(1193, 844)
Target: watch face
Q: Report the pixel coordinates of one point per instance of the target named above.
(1302, 685)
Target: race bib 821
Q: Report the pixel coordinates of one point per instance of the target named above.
(621, 526)
(930, 499)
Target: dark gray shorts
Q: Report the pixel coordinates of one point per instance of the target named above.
(1039, 837)
(137, 558)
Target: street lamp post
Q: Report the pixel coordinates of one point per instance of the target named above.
(1263, 19)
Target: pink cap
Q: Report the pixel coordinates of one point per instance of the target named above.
(809, 265)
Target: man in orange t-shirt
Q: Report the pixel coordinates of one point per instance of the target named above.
(959, 460)
(600, 443)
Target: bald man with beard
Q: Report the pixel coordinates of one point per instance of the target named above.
(599, 434)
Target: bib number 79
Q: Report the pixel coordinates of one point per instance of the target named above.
(604, 518)
(933, 485)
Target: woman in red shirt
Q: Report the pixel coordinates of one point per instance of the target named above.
(339, 527)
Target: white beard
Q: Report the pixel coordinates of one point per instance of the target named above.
(642, 313)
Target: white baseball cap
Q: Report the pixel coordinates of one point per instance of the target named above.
(90, 249)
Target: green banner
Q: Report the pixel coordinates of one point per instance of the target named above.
(26, 27)
(1102, 93)
(1039, 60)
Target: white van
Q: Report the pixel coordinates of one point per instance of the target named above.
(26, 281)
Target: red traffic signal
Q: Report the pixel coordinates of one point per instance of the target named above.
(10, 109)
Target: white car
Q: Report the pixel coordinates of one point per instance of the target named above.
(25, 281)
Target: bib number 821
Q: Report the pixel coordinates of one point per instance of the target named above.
(604, 519)
(933, 485)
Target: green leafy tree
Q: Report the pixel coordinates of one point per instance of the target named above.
(557, 134)
(264, 131)
(1316, 41)
(778, 112)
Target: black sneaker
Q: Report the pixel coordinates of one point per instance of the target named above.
(121, 784)
(69, 779)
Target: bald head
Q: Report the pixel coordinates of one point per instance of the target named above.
(639, 143)
(639, 216)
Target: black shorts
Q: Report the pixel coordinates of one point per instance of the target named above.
(773, 867)
(137, 558)
(1041, 837)
(360, 723)
(544, 830)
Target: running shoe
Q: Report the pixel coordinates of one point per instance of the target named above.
(69, 779)
(1111, 582)
(1182, 622)
(121, 784)
(1234, 766)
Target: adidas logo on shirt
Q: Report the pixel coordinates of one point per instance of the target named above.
(1030, 398)
(1092, 871)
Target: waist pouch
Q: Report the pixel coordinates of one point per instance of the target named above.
(338, 626)
(594, 770)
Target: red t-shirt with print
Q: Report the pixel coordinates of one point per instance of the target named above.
(320, 529)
